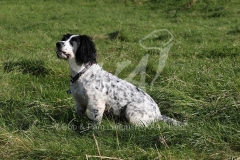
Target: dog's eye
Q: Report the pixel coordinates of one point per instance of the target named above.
(72, 40)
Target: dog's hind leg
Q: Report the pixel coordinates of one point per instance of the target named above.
(138, 116)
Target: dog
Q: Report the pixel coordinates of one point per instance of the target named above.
(95, 90)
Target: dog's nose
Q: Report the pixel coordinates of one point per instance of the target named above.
(59, 44)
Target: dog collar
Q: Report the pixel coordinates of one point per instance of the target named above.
(76, 77)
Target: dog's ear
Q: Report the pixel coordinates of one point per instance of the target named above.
(86, 51)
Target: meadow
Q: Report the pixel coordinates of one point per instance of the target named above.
(199, 82)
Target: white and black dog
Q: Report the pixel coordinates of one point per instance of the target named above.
(96, 90)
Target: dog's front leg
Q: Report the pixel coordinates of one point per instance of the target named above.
(95, 110)
(80, 110)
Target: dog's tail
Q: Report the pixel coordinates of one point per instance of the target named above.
(168, 120)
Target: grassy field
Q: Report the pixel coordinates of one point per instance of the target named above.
(199, 83)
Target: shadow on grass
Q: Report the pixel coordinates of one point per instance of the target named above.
(220, 52)
(33, 67)
(119, 35)
(14, 114)
(234, 31)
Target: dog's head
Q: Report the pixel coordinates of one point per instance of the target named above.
(78, 47)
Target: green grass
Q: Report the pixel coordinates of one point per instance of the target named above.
(199, 84)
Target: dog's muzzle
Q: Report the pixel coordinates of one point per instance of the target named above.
(60, 53)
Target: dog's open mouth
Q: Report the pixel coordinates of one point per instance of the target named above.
(62, 54)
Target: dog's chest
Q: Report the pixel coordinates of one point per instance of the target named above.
(79, 93)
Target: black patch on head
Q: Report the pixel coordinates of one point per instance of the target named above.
(86, 51)
(66, 37)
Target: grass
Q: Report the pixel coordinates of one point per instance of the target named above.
(199, 83)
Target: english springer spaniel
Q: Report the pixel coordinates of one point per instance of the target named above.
(95, 90)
